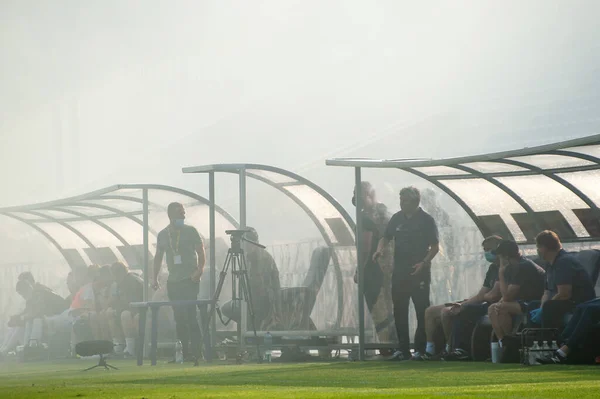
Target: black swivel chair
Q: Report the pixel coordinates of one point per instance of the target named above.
(96, 348)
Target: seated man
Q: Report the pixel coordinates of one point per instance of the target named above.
(263, 278)
(122, 319)
(458, 319)
(574, 335)
(521, 281)
(567, 282)
(41, 302)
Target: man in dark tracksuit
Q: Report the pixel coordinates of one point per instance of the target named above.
(416, 243)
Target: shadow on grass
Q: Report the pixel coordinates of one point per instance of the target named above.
(378, 375)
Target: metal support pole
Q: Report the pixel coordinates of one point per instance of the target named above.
(146, 245)
(213, 255)
(244, 306)
(361, 271)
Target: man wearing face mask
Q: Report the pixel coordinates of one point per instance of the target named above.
(416, 243)
(458, 319)
(521, 281)
(377, 273)
(186, 258)
(567, 282)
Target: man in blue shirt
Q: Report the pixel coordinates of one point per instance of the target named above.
(567, 282)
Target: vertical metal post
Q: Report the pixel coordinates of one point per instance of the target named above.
(146, 245)
(213, 255)
(361, 271)
(244, 306)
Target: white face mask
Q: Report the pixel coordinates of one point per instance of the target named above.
(179, 222)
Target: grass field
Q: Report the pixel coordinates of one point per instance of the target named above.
(316, 380)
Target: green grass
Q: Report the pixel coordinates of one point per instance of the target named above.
(316, 380)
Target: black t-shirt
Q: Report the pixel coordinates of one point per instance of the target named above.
(45, 302)
(567, 270)
(529, 277)
(491, 276)
(369, 225)
(412, 238)
(131, 289)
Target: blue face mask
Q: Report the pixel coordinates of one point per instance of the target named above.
(490, 257)
(179, 222)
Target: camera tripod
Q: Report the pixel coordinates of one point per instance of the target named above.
(240, 286)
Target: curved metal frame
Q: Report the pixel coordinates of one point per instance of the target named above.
(506, 157)
(65, 205)
(247, 168)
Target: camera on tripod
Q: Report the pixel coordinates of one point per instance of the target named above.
(237, 236)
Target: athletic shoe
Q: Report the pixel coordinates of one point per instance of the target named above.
(424, 356)
(555, 358)
(457, 355)
(397, 356)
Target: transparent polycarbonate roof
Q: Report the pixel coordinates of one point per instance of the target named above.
(518, 193)
(107, 225)
(334, 223)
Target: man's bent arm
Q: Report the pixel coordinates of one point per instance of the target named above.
(433, 251)
(563, 292)
(201, 256)
(158, 258)
(493, 295)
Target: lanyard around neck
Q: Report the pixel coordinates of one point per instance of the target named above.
(174, 248)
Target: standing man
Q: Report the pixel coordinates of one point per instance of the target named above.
(185, 260)
(378, 274)
(416, 243)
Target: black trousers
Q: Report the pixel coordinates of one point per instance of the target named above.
(464, 323)
(186, 320)
(405, 288)
(553, 313)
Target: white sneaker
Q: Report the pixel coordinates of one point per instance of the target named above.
(397, 356)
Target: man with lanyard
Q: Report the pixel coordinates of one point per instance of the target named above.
(416, 243)
(186, 258)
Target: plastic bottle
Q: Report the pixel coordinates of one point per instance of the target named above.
(546, 349)
(268, 341)
(178, 352)
(534, 353)
(554, 346)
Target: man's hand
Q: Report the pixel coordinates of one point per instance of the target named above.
(418, 268)
(155, 285)
(376, 255)
(455, 309)
(356, 276)
(197, 275)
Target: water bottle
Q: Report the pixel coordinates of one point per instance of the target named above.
(178, 352)
(534, 354)
(546, 349)
(268, 340)
(554, 346)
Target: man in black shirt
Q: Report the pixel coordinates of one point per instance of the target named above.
(377, 276)
(458, 319)
(416, 243)
(123, 320)
(521, 281)
(567, 282)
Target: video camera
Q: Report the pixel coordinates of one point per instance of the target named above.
(237, 236)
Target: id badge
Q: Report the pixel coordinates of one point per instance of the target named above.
(177, 259)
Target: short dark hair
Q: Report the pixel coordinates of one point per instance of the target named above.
(508, 248)
(491, 239)
(119, 267)
(412, 193)
(549, 240)
(27, 276)
(171, 208)
(252, 234)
